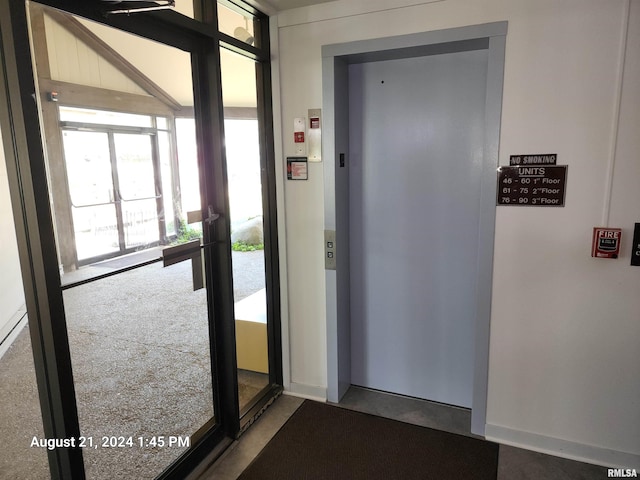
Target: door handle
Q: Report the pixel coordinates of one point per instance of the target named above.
(212, 216)
(196, 216)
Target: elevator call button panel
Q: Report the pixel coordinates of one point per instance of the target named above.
(330, 249)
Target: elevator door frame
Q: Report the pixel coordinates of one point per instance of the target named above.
(335, 62)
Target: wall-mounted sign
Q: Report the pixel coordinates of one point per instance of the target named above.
(534, 159)
(529, 186)
(635, 247)
(606, 242)
(297, 168)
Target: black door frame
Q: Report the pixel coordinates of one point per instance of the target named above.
(27, 173)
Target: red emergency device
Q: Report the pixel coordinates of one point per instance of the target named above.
(606, 242)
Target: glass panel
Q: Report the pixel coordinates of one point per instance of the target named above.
(185, 7)
(243, 157)
(188, 171)
(135, 166)
(96, 231)
(138, 330)
(90, 183)
(245, 197)
(237, 25)
(88, 168)
(168, 182)
(103, 117)
(161, 123)
(140, 219)
(137, 189)
(231, 22)
(140, 352)
(20, 418)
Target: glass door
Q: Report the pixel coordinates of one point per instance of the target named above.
(92, 193)
(115, 188)
(120, 182)
(140, 351)
(125, 234)
(137, 304)
(137, 190)
(247, 214)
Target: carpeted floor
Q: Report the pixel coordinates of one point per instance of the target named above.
(20, 418)
(140, 355)
(323, 442)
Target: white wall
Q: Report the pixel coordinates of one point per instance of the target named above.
(563, 374)
(11, 293)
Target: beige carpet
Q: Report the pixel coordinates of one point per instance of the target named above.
(140, 352)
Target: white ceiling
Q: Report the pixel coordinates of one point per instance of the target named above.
(172, 74)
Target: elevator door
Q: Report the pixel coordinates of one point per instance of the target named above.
(416, 146)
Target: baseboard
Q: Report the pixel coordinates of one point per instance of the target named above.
(562, 448)
(310, 392)
(18, 322)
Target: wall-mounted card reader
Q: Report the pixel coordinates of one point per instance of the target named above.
(329, 249)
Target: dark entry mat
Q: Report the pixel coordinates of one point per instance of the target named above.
(325, 442)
